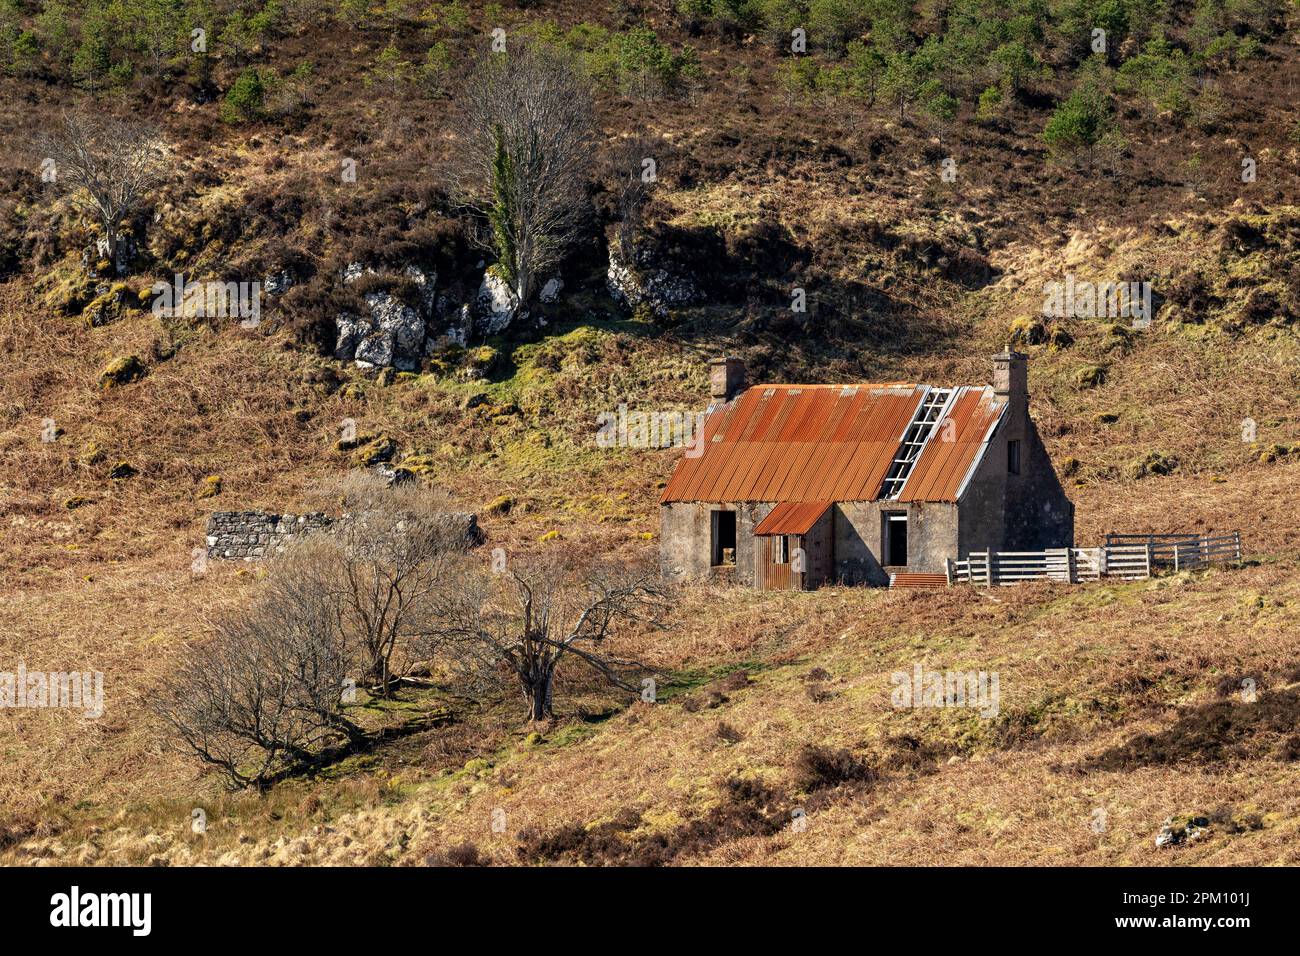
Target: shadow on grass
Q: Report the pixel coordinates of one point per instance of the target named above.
(1223, 729)
(365, 744)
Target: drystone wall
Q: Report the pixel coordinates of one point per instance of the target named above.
(253, 535)
(258, 534)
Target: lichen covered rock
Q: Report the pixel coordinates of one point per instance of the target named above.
(210, 487)
(121, 371)
(642, 283)
(550, 293)
(497, 303)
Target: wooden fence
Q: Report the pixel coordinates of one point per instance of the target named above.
(1182, 551)
(1123, 558)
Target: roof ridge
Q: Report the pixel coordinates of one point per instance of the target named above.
(845, 385)
(839, 386)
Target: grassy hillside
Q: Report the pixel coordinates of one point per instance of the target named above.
(776, 172)
(1123, 697)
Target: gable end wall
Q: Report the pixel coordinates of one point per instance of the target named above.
(1025, 512)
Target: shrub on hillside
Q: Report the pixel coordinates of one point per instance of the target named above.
(990, 104)
(436, 68)
(777, 19)
(1078, 124)
(729, 18)
(1161, 75)
(832, 23)
(634, 62)
(264, 695)
(245, 99)
(818, 767)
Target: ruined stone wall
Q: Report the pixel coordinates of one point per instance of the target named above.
(253, 535)
(250, 535)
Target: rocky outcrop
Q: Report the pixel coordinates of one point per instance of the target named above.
(277, 282)
(395, 336)
(400, 329)
(497, 303)
(550, 293)
(642, 282)
(391, 333)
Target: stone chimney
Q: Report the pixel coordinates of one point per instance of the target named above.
(1011, 378)
(726, 379)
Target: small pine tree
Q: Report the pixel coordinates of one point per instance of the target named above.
(55, 32)
(25, 54)
(436, 68)
(390, 71)
(245, 99)
(940, 108)
(1078, 124)
(91, 61)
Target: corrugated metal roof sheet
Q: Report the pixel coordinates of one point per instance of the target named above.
(824, 443)
(797, 443)
(792, 517)
(957, 443)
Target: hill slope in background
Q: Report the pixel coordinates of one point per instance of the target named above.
(1123, 698)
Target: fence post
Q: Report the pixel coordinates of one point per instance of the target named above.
(1178, 550)
(947, 570)
(988, 567)
(1148, 557)
(1236, 540)
(1101, 560)
(1071, 572)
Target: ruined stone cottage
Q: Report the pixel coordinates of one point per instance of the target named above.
(800, 485)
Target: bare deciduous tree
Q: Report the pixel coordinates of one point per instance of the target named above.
(526, 130)
(633, 175)
(106, 166)
(264, 694)
(382, 567)
(530, 619)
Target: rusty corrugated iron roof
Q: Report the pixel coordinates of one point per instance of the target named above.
(825, 443)
(792, 517)
(797, 443)
(957, 444)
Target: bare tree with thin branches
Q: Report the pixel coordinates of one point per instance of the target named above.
(526, 131)
(106, 166)
(382, 566)
(264, 694)
(541, 613)
(633, 171)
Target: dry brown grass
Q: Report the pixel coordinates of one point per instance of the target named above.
(1082, 670)
(108, 586)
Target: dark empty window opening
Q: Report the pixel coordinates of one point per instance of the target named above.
(1013, 457)
(896, 539)
(724, 538)
(781, 549)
